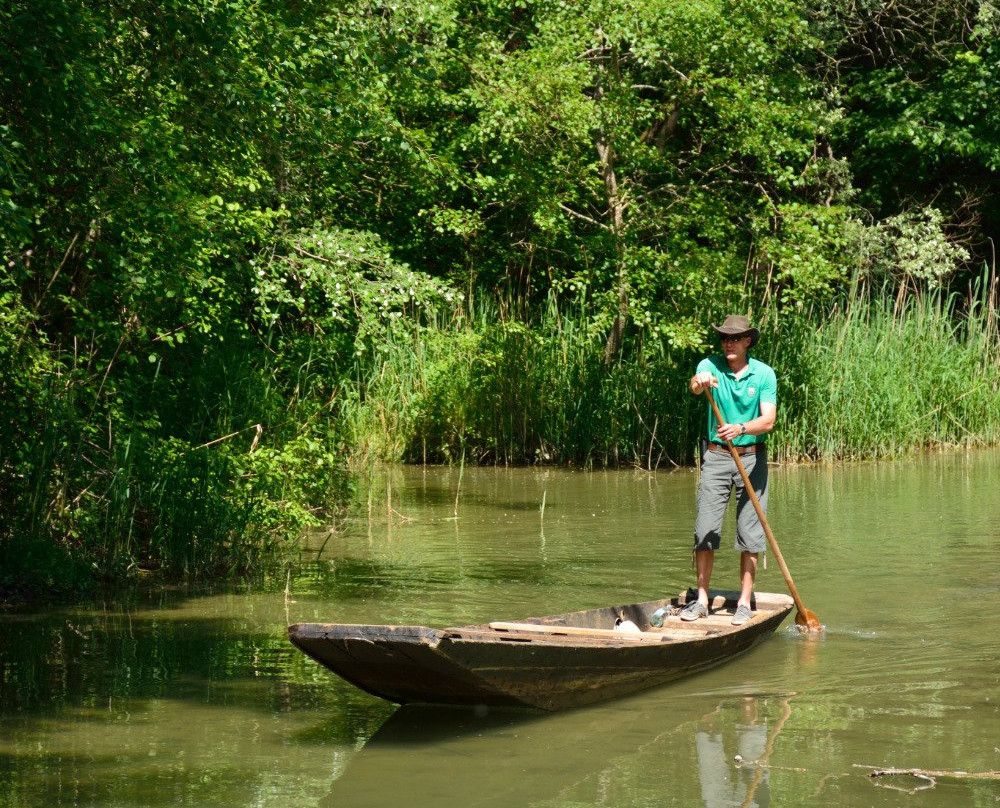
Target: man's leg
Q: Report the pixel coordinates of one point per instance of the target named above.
(750, 538)
(714, 489)
(704, 561)
(748, 573)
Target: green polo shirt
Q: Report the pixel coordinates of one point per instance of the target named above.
(739, 399)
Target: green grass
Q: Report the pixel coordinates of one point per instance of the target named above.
(509, 392)
(881, 379)
(873, 377)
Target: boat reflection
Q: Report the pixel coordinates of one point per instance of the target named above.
(636, 751)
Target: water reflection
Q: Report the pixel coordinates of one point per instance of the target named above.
(632, 753)
(163, 707)
(721, 743)
(460, 758)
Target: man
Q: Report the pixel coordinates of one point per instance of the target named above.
(746, 393)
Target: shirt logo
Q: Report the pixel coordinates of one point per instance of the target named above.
(752, 391)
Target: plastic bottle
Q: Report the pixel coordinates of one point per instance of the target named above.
(656, 618)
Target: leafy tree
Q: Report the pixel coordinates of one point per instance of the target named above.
(623, 151)
(217, 216)
(920, 83)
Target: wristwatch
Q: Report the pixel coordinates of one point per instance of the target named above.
(743, 429)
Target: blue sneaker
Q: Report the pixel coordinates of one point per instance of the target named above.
(743, 615)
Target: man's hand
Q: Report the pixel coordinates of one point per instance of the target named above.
(701, 381)
(729, 431)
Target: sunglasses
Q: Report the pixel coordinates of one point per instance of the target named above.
(737, 338)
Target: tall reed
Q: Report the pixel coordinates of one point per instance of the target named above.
(217, 460)
(875, 378)
(508, 391)
(881, 378)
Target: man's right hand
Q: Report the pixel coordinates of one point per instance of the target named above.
(702, 380)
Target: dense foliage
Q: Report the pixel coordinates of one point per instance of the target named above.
(247, 242)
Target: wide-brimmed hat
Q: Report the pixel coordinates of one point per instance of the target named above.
(736, 325)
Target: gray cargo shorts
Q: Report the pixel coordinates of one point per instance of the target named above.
(719, 480)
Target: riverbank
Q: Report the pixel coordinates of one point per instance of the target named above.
(874, 377)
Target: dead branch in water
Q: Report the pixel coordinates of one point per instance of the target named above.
(928, 776)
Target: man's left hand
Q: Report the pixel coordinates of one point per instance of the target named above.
(729, 431)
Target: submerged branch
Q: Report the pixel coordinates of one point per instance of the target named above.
(933, 773)
(929, 777)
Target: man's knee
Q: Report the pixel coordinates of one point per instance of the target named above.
(707, 540)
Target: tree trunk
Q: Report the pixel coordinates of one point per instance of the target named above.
(615, 212)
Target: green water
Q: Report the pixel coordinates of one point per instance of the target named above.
(188, 698)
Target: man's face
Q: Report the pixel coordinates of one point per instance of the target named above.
(736, 347)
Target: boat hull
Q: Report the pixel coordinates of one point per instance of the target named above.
(552, 663)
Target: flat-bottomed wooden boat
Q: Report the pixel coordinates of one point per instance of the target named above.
(547, 663)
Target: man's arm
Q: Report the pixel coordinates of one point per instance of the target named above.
(764, 422)
(760, 425)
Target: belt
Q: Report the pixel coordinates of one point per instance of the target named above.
(740, 450)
